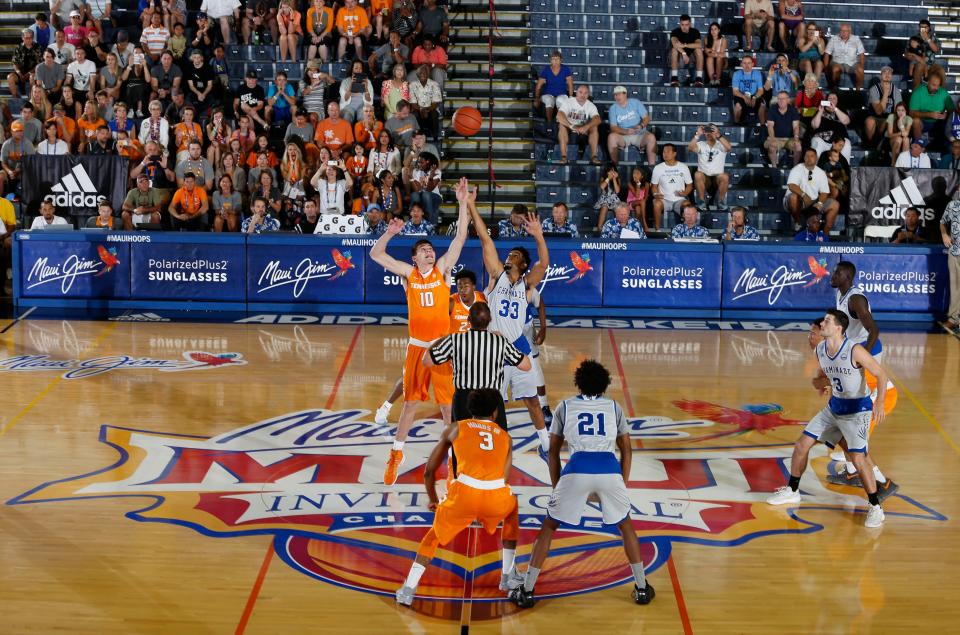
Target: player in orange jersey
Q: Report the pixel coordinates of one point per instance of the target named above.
(428, 304)
(460, 304)
(464, 298)
(479, 493)
(885, 486)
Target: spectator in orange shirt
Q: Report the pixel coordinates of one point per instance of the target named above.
(262, 146)
(89, 122)
(66, 127)
(188, 209)
(357, 164)
(367, 130)
(333, 132)
(353, 27)
(186, 131)
(434, 57)
(288, 24)
(319, 31)
(380, 16)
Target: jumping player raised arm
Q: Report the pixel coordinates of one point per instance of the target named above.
(511, 282)
(428, 304)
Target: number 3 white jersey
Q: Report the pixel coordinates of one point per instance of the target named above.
(849, 390)
(508, 307)
(589, 424)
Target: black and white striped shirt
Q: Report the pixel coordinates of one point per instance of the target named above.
(478, 358)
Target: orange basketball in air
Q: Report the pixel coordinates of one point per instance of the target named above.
(467, 121)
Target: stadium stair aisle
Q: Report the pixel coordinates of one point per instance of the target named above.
(468, 86)
(15, 16)
(944, 15)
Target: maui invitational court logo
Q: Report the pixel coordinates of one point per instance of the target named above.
(83, 368)
(311, 479)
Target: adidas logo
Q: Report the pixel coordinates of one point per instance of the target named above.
(139, 317)
(75, 189)
(907, 194)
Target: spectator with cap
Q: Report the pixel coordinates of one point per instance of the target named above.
(558, 222)
(780, 77)
(418, 225)
(554, 82)
(690, 226)
(66, 126)
(621, 222)
(188, 209)
(75, 32)
(376, 224)
(845, 55)
(513, 227)
(737, 227)
(250, 100)
(629, 119)
(141, 204)
(915, 157)
(203, 39)
(26, 57)
(711, 159)
(11, 158)
(882, 98)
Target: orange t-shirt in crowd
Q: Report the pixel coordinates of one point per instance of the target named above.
(377, 6)
(272, 160)
(428, 305)
(368, 139)
(313, 20)
(334, 135)
(89, 129)
(356, 165)
(189, 202)
(355, 18)
(184, 131)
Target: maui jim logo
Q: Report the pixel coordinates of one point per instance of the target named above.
(274, 275)
(66, 272)
(771, 284)
(80, 369)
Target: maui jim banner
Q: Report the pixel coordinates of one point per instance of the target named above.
(384, 287)
(884, 194)
(76, 185)
(781, 277)
(91, 268)
(574, 277)
(284, 269)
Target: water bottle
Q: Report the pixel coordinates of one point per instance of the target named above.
(550, 155)
(256, 38)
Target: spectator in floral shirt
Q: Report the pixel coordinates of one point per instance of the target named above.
(25, 58)
(558, 224)
(737, 228)
(951, 240)
(376, 226)
(417, 226)
(513, 227)
(622, 219)
(261, 221)
(690, 227)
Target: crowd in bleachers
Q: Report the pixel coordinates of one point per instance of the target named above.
(251, 115)
(802, 94)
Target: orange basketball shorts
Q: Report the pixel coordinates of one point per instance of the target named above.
(417, 378)
(464, 504)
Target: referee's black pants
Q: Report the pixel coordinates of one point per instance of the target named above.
(459, 411)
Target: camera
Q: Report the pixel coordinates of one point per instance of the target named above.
(332, 164)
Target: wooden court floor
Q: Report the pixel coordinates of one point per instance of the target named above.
(191, 478)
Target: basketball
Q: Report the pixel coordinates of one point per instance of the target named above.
(467, 121)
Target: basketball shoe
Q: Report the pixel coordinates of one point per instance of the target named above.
(783, 496)
(394, 462)
(522, 598)
(874, 517)
(405, 595)
(383, 412)
(644, 595)
(511, 580)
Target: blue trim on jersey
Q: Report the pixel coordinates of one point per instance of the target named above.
(828, 444)
(592, 463)
(523, 345)
(877, 347)
(827, 352)
(840, 406)
(811, 435)
(857, 451)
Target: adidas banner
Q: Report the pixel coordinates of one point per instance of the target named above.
(75, 184)
(884, 194)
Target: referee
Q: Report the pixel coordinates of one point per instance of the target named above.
(478, 357)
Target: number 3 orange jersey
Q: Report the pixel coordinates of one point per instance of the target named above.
(481, 448)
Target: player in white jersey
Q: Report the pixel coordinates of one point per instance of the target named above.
(537, 309)
(849, 477)
(592, 426)
(508, 295)
(846, 416)
(852, 300)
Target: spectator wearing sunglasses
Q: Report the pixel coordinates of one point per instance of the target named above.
(711, 156)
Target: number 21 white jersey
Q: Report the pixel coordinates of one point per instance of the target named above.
(589, 424)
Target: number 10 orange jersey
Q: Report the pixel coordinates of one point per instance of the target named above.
(428, 306)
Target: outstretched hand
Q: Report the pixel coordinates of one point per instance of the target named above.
(463, 190)
(532, 225)
(395, 226)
